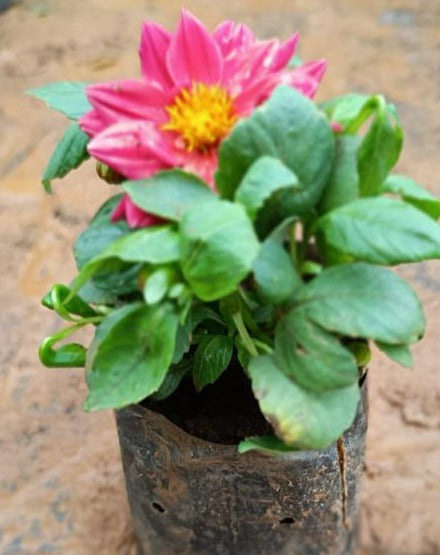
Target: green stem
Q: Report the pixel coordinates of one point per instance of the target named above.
(293, 251)
(243, 332)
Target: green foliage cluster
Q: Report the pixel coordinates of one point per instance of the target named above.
(282, 270)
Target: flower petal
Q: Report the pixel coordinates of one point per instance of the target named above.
(284, 53)
(129, 100)
(92, 123)
(300, 80)
(315, 68)
(152, 52)
(203, 164)
(135, 216)
(134, 149)
(193, 54)
(231, 37)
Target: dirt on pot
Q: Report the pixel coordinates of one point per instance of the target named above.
(61, 483)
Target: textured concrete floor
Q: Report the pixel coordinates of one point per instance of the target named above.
(61, 488)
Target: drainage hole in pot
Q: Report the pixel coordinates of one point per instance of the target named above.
(287, 520)
(158, 507)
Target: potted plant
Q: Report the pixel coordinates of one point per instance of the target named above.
(236, 284)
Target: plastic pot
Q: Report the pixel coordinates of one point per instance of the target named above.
(191, 496)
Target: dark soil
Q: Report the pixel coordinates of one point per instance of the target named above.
(224, 412)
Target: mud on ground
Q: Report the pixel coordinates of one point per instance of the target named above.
(61, 486)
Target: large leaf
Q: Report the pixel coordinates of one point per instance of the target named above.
(381, 231)
(275, 276)
(130, 355)
(70, 152)
(154, 245)
(218, 247)
(288, 127)
(312, 356)
(359, 300)
(412, 193)
(301, 418)
(169, 194)
(212, 357)
(343, 185)
(266, 176)
(68, 97)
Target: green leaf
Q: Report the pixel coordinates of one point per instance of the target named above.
(169, 194)
(398, 353)
(379, 149)
(381, 231)
(70, 152)
(412, 193)
(94, 240)
(288, 127)
(361, 352)
(172, 380)
(55, 300)
(266, 176)
(359, 300)
(157, 284)
(211, 359)
(104, 213)
(130, 355)
(348, 110)
(68, 97)
(70, 355)
(343, 185)
(269, 445)
(274, 274)
(312, 356)
(301, 418)
(153, 245)
(218, 247)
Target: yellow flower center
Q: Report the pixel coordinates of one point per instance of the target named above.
(202, 115)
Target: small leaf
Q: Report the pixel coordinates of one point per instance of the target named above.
(153, 245)
(157, 285)
(94, 240)
(218, 246)
(169, 194)
(68, 97)
(211, 359)
(56, 297)
(104, 213)
(379, 149)
(381, 231)
(130, 355)
(274, 274)
(412, 193)
(301, 418)
(266, 176)
(172, 380)
(70, 355)
(269, 445)
(70, 152)
(348, 110)
(399, 353)
(343, 185)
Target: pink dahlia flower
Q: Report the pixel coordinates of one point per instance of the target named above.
(194, 87)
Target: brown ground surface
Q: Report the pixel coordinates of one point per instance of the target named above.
(61, 486)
